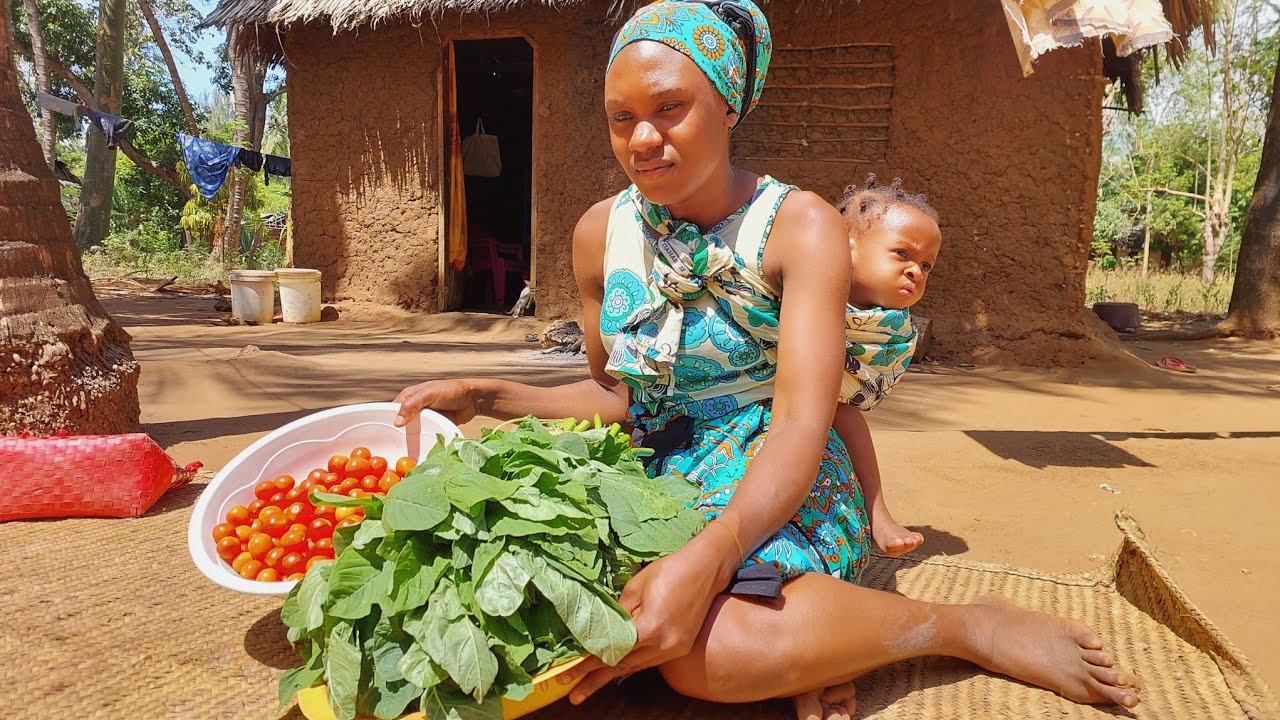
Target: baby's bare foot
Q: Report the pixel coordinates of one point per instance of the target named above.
(834, 703)
(890, 536)
(1055, 653)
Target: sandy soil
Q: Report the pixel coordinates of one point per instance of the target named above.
(1017, 466)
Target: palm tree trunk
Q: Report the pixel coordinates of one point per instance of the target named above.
(157, 33)
(96, 194)
(230, 237)
(1255, 298)
(64, 363)
(48, 130)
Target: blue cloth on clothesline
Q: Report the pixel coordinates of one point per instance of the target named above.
(207, 162)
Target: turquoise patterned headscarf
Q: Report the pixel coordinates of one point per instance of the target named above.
(694, 29)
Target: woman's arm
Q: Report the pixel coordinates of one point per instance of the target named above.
(669, 600)
(808, 255)
(461, 400)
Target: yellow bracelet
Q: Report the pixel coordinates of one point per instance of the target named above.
(742, 556)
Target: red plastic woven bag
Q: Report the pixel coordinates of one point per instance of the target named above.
(85, 476)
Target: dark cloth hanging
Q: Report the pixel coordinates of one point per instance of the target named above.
(115, 128)
(278, 166)
(249, 159)
(207, 162)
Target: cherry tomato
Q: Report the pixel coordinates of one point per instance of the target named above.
(295, 494)
(265, 490)
(325, 511)
(356, 493)
(404, 465)
(278, 500)
(229, 548)
(267, 574)
(343, 513)
(284, 483)
(357, 467)
(345, 486)
(319, 528)
(300, 512)
(315, 560)
(276, 525)
(316, 476)
(361, 452)
(222, 530)
(292, 562)
(244, 532)
(293, 540)
(331, 479)
(378, 465)
(238, 563)
(388, 481)
(353, 520)
(238, 515)
(324, 547)
(337, 463)
(258, 545)
(295, 576)
(250, 569)
(369, 483)
(256, 506)
(269, 510)
(272, 558)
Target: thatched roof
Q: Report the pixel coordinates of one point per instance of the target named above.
(348, 14)
(1184, 15)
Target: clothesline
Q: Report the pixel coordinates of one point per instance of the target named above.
(207, 161)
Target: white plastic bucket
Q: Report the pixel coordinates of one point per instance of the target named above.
(299, 295)
(296, 449)
(253, 295)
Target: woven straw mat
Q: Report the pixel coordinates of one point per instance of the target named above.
(107, 618)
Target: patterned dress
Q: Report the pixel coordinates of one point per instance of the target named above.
(692, 331)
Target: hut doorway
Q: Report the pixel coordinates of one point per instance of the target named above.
(493, 82)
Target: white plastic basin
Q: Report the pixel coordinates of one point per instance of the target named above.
(296, 449)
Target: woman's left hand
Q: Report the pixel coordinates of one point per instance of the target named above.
(668, 601)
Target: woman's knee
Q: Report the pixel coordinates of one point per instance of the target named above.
(739, 656)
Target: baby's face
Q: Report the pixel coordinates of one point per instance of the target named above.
(892, 258)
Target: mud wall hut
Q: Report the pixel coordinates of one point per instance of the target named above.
(928, 90)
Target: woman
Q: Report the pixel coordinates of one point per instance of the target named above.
(682, 278)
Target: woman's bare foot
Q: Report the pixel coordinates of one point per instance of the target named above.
(1055, 653)
(890, 536)
(834, 703)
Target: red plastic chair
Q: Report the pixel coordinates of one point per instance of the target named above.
(483, 255)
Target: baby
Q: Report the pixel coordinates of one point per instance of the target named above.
(893, 242)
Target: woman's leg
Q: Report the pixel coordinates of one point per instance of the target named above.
(826, 632)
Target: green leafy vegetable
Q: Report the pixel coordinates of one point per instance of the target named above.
(493, 560)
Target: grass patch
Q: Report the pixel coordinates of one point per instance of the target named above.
(1159, 292)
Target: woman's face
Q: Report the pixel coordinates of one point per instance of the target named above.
(668, 124)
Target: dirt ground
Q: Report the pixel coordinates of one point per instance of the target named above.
(1024, 467)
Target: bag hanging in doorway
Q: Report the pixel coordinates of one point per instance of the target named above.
(480, 154)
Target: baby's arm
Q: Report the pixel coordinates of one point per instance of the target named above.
(856, 434)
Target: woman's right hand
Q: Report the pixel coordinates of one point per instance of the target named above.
(453, 399)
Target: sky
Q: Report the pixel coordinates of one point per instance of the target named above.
(198, 79)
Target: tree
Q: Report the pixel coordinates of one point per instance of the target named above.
(249, 72)
(1255, 298)
(64, 363)
(94, 220)
(48, 126)
(157, 32)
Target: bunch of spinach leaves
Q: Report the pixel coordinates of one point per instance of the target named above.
(490, 562)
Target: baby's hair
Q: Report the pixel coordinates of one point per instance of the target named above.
(861, 205)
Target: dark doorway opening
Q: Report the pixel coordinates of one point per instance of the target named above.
(495, 93)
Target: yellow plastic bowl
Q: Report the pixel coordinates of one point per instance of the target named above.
(314, 702)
